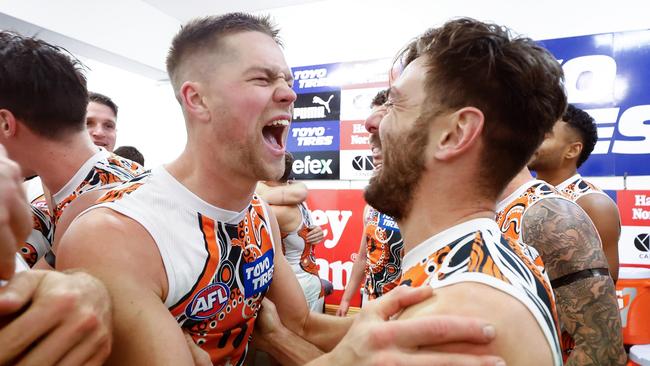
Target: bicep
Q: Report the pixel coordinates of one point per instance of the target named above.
(285, 291)
(564, 236)
(519, 337)
(145, 332)
(604, 214)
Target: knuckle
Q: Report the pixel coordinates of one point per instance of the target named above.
(65, 301)
(87, 322)
(380, 338)
(439, 327)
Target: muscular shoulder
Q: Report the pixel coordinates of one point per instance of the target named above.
(487, 303)
(564, 235)
(104, 241)
(599, 207)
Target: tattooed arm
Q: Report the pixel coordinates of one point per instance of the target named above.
(567, 241)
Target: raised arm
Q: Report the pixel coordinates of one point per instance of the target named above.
(121, 253)
(289, 194)
(356, 278)
(569, 245)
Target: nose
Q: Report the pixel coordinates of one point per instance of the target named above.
(374, 119)
(284, 94)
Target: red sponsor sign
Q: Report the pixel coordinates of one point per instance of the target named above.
(354, 136)
(634, 207)
(340, 214)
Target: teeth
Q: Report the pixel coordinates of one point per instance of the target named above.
(281, 122)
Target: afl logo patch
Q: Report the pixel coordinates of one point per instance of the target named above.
(208, 302)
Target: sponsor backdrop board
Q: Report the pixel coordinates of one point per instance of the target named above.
(608, 76)
(336, 94)
(340, 214)
(356, 164)
(315, 165)
(314, 136)
(634, 245)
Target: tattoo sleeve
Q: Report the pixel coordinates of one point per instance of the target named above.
(568, 242)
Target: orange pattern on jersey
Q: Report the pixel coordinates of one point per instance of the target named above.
(224, 335)
(480, 261)
(384, 251)
(307, 260)
(118, 193)
(579, 188)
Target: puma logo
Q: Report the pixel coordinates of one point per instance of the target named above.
(318, 100)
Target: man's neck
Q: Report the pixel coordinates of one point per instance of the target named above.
(211, 182)
(557, 176)
(520, 179)
(447, 207)
(58, 162)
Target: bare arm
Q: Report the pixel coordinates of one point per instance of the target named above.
(282, 344)
(356, 278)
(568, 243)
(604, 214)
(292, 193)
(285, 292)
(121, 253)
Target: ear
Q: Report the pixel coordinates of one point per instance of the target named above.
(192, 100)
(7, 123)
(463, 132)
(573, 150)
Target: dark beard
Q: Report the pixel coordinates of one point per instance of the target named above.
(391, 190)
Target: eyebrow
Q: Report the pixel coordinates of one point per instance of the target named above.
(393, 92)
(273, 73)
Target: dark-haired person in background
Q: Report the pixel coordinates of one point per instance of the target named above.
(131, 153)
(46, 317)
(101, 120)
(557, 160)
(48, 137)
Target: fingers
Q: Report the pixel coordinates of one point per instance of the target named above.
(424, 358)
(342, 310)
(396, 300)
(19, 335)
(92, 350)
(433, 330)
(58, 342)
(19, 291)
(200, 357)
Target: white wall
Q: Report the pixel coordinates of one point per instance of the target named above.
(149, 116)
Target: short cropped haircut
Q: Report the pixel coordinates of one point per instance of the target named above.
(42, 85)
(380, 98)
(516, 83)
(131, 153)
(204, 35)
(581, 122)
(103, 99)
